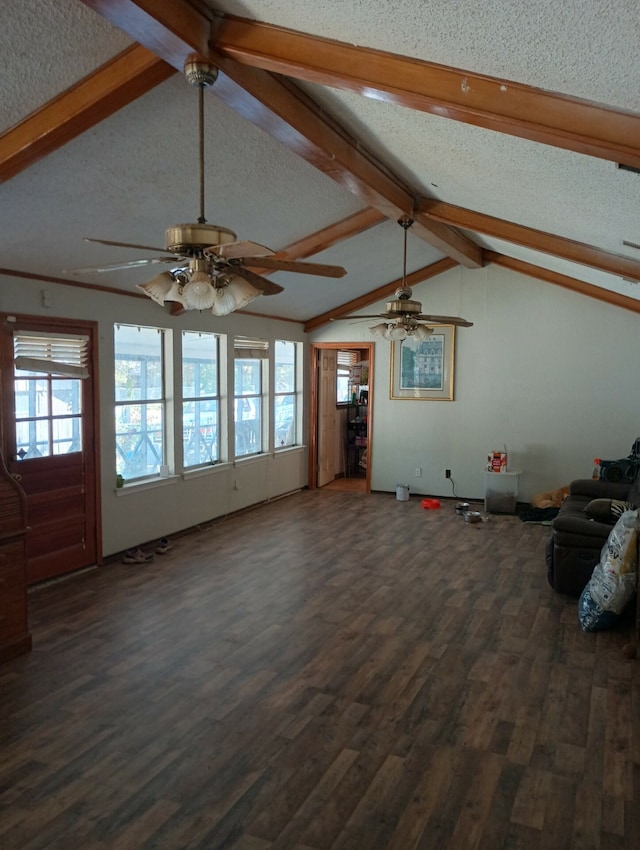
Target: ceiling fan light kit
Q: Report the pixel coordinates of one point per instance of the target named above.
(208, 265)
(404, 316)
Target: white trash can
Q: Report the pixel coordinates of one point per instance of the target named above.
(402, 492)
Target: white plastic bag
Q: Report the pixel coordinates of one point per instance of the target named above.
(613, 582)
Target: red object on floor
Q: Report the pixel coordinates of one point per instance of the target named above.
(430, 504)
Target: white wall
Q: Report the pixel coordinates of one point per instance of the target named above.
(141, 513)
(548, 372)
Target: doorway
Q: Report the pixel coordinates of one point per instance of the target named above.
(340, 445)
(49, 430)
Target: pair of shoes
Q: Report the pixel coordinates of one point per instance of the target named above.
(163, 546)
(136, 556)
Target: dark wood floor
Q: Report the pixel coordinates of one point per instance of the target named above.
(332, 670)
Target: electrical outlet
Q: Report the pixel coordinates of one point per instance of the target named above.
(418, 471)
(447, 473)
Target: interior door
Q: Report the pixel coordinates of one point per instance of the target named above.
(49, 443)
(327, 383)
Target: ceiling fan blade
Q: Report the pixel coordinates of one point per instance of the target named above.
(238, 250)
(129, 264)
(445, 320)
(123, 244)
(319, 269)
(266, 287)
(365, 316)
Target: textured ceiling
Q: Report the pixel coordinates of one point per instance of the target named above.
(135, 172)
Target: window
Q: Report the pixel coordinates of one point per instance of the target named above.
(48, 392)
(346, 359)
(48, 415)
(200, 398)
(285, 397)
(139, 401)
(249, 386)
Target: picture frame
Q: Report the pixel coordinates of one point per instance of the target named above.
(424, 370)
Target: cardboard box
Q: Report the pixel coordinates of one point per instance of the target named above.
(497, 462)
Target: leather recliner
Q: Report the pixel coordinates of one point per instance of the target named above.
(576, 540)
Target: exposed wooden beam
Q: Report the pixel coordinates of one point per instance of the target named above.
(496, 104)
(334, 233)
(172, 29)
(548, 243)
(280, 108)
(115, 84)
(283, 110)
(597, 292)
(328, 236)
(416, 277)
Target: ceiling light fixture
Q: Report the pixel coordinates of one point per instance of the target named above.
(404, 316)
(201, 286)
(404, 311)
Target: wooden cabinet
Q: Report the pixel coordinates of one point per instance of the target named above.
(14, 631)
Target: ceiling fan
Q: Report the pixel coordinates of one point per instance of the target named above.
(404, 316)
(208, 267)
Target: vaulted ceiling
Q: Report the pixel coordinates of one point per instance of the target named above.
(498, 126)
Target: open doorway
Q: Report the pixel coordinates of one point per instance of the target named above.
(340, 421)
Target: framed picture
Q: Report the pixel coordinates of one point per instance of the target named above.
(424, 369)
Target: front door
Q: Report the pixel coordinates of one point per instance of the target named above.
(49, 443)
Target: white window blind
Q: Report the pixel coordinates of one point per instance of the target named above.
(250, 348)
(53, 354)
(347, 358)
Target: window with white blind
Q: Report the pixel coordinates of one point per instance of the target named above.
(49, 369)
(346, 359)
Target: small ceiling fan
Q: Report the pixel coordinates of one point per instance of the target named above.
(403, 315)
(208, 267)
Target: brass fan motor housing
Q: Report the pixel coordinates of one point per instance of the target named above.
(404, 307)
(184, 238)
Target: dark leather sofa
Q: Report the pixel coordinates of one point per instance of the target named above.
(576, 540)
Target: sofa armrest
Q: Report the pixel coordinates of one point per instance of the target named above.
(595, 488)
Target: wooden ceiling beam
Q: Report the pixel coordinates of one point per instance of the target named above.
(413, 279)
(323, 239)
(172, 29)
(502, 105)
(328, 236)
(280, 108)
(115, 84)
(538, 240)
(566, 282)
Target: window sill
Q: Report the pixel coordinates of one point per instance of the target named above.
(200, 471)
(288, 450)
(145, 484)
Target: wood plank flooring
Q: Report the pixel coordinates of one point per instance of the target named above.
(331, 671)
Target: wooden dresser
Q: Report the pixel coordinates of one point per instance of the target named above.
(14, 631)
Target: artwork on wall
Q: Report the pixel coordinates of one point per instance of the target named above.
(424, 369)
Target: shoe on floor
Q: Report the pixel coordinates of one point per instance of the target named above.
(136, 556)
(163, 546)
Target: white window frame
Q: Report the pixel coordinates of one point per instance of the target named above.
(245, 348)
(217, 397)
(166, 432)
(296, 392)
